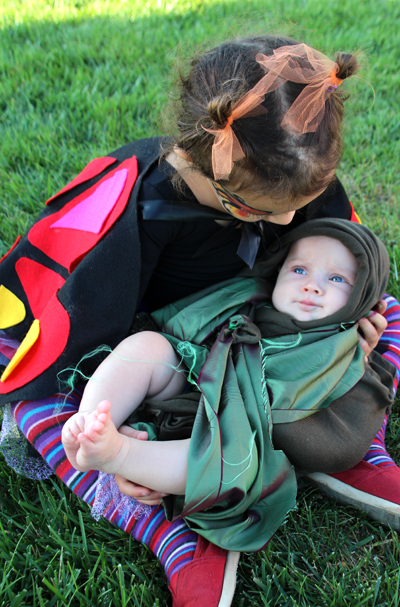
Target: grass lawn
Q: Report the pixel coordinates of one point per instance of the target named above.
(80, 78)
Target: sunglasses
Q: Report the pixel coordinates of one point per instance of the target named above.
(235, 205)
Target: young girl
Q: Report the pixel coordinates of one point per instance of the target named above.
(259, 139)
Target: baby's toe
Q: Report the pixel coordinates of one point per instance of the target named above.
(68, 436)
(104, 406)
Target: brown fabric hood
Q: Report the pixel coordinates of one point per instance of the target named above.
(368, 249)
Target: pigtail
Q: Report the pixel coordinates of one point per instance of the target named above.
(219, 110)
(348, 65)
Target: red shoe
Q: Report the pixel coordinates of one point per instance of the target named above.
(373, 489)
(209, 580)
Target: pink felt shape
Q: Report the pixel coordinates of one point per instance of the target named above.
(39, 283)
(94, 168)
(68, 246)
(90, 214)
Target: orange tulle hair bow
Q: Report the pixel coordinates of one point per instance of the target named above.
(297, 63)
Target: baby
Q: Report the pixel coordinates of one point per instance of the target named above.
(314, 282)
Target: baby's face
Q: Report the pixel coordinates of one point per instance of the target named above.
(316, 279)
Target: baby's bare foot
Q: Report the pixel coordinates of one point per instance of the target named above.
(99, 442)
(71, 430)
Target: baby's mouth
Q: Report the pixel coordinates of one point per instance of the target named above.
(308, 303)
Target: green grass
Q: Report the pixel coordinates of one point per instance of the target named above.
(81, 78)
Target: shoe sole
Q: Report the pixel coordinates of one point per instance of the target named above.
(377, 508)
(229, 583)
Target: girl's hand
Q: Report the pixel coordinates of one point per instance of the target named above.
(372, 328)
(142, 494)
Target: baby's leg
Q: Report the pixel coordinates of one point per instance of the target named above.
(142, 365)
(161, 465)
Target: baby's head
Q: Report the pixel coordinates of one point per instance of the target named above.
(316, 278)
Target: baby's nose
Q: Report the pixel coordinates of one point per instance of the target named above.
(312, 286)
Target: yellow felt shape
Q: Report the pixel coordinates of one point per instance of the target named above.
(12, 309)
(23, 349)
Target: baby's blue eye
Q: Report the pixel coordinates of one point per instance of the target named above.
(299, 270)
(338, 279)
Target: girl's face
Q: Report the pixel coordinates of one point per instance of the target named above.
(265, 208)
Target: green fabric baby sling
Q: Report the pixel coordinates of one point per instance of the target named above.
(253, 367)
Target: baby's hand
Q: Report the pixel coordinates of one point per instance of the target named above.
(372, 328)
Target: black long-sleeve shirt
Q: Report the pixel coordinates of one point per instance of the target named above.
(181, 257)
